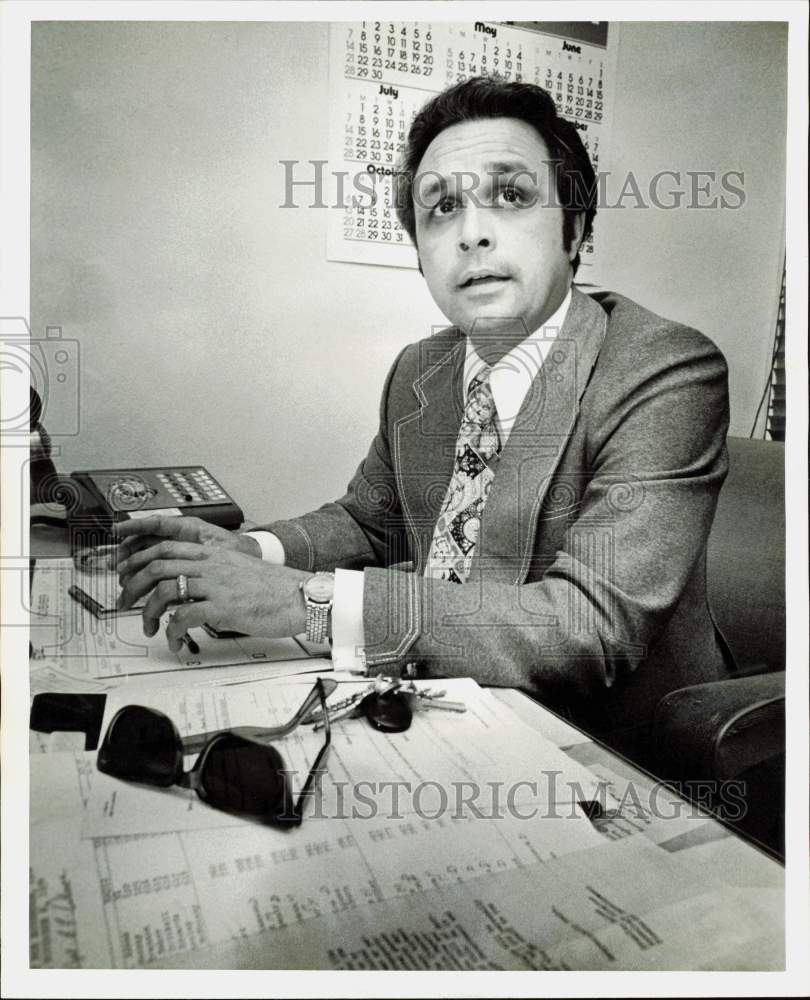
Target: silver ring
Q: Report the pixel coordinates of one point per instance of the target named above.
(182, 588)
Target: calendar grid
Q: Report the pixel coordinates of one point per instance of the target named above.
(381, 73)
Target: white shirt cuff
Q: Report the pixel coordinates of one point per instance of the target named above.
(270, 544)
(348, 634)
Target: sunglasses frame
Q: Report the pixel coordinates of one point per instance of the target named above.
(204, 743)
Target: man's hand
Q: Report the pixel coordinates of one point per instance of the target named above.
(145, 532)
(227, 587)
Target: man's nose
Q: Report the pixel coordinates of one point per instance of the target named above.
(476, 229)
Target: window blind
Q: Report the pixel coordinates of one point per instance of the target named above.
(776, 397)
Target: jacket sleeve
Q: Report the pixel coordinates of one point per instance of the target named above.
(363, 528)
(655, 460)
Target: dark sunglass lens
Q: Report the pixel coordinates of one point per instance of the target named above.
(390, 712)
(141, 745)
(245, 777)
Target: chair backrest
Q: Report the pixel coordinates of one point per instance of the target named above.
(746, 554)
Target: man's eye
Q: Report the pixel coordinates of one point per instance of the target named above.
(444, 207)
(510, 194)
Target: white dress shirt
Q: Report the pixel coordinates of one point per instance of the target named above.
(509, 380)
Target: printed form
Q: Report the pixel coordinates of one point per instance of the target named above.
(369, 894)
(137, 873)
(79, 652)
(361, 884)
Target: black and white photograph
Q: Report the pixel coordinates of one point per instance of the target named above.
(404, 499)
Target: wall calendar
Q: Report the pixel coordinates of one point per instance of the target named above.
(382, 72)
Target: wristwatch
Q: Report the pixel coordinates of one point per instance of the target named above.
(319, 592)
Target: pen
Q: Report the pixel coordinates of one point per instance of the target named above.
(193, 648)
(86, 601)
(93, 606)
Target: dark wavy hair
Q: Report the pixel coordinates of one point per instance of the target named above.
(484, 97)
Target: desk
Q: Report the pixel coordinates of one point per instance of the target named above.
(665, 887)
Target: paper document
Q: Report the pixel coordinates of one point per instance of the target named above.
(377, 893)
(614, 907)
(137, 899)
(554, 728)
(67, 637)
(444, 759)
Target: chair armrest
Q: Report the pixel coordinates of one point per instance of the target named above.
(720, 729)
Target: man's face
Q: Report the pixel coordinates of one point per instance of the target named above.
(489, 228)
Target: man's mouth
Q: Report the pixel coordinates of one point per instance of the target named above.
(483, 279)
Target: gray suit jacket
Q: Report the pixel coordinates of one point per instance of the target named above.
(587, 586)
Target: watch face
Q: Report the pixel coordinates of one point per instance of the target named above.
(320, 588)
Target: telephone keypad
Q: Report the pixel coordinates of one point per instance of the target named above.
(187, 486)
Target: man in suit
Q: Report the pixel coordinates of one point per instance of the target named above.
(548, 466)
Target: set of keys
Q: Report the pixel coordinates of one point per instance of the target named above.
(388, 704)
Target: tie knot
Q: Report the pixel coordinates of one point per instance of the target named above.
(480, 408)
(478, 428)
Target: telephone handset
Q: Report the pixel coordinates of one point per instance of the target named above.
(104, 497)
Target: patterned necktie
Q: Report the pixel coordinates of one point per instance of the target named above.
(456, 531)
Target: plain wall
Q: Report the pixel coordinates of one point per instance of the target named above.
(211, 327)
(704, 97)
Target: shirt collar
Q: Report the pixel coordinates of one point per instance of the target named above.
(512, 376)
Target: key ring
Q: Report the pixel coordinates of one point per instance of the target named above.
(388, 704)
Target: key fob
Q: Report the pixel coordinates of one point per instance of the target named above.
(390, 713)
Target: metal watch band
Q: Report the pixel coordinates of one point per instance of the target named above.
(318, 611)
(318, 621)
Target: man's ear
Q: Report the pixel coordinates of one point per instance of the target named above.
(576, 240)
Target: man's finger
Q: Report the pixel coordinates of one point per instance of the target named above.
(133, 544)
(156, 572)
(135, 526)
(144, 532)
(185, 617)
(162, 549)
(155, 524)
(164, 595)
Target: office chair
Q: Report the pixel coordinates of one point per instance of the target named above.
(734, 730)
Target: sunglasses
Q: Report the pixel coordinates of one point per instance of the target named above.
(237, 769)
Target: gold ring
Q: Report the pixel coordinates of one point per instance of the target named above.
(182, 588)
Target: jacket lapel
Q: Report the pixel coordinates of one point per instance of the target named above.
(538, 439)
(424, 439)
